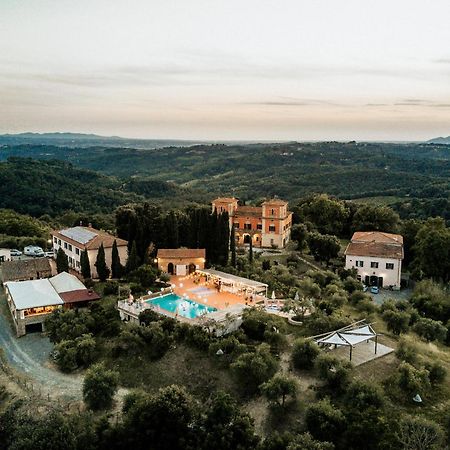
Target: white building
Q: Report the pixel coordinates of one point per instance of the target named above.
(377, 257)
(75, 240)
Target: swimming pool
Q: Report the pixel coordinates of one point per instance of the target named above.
(183, 306)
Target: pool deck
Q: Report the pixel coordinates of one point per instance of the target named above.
(185, 285)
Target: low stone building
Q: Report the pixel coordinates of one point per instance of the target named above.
(180, 261)
(32, 301)
(26, 269)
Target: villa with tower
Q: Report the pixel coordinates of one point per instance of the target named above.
(268, 225)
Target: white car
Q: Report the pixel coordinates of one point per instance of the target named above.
(49, 254)
(33, 250)
(15, 252)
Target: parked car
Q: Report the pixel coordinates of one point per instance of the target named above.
(15, 252)
(33, 250)
(374, 290)
(49, 254)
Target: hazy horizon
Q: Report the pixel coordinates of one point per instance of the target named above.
(227, 71)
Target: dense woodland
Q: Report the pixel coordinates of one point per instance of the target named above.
(270, 389)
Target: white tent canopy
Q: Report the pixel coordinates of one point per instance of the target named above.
(349, 336)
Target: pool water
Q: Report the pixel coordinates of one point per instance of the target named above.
(183, 306)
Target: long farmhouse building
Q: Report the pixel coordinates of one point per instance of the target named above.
(268, 225)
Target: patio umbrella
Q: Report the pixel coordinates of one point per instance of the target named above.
(273, 295)
(296, 298)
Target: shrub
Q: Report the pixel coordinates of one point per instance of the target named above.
(99, 387)
(157, 341)
(230, 346)
(413, 380)
(367, 306)
(111, 288)
(430, 330)
(324, 421)
(420, 433)
(198, 337)
(437, 372)
(406, 352)
(334, 371)
(304, 353)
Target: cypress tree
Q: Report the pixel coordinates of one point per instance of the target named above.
(116, 266)
(62, 262)
(171, 226)
(224, 238)
(100, 264)
(250, 251)
(233, 246)
(133, 259)
(85, 264)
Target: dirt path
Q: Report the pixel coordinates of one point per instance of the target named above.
(29, 355)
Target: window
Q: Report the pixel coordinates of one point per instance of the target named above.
(257, 239)
(273, 212)
(65, 244)
(236, 224)
(59, 241)
(55, 240)
(77, 251)
(247, 226)
(374, 265)
(78, 263)
(359, 263)
(259, 226)
(272, 228)
(70, 247)
(390, 266)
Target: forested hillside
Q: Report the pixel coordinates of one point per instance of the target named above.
(290, 170)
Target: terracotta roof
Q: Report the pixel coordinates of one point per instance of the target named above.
(181, 253)
(87, 237)
(275, 201)
(25, 269)
(225, 200)
(80, 295)
(248, 211)
(377, 236)
(376, 244)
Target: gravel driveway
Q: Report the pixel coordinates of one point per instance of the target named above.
(30, 355)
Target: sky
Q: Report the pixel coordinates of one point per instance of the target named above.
(227, 69)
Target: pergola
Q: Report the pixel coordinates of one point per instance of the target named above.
(234, 282)
(349, 337)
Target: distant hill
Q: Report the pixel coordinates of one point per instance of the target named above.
(80, 140)
(439, 140)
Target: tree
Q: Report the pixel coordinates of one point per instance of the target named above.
(166, 420)
(430, 330)
(418, 433)
(102, 269)
(278, 388)
(323, 247)
(327, 214)
(85, 264)
(412, 380)
(116, 266)
(324, 421)
(305, 441)
(233, 246)
(133, 259)
(253, 369)
(299, 233)
(397, 321)
(432, 250)
(99, 387)
(375, 218)
(334, 371)
(361, 396)
(250, 251)
(226, 427)
(304, 353)
(62, 261)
